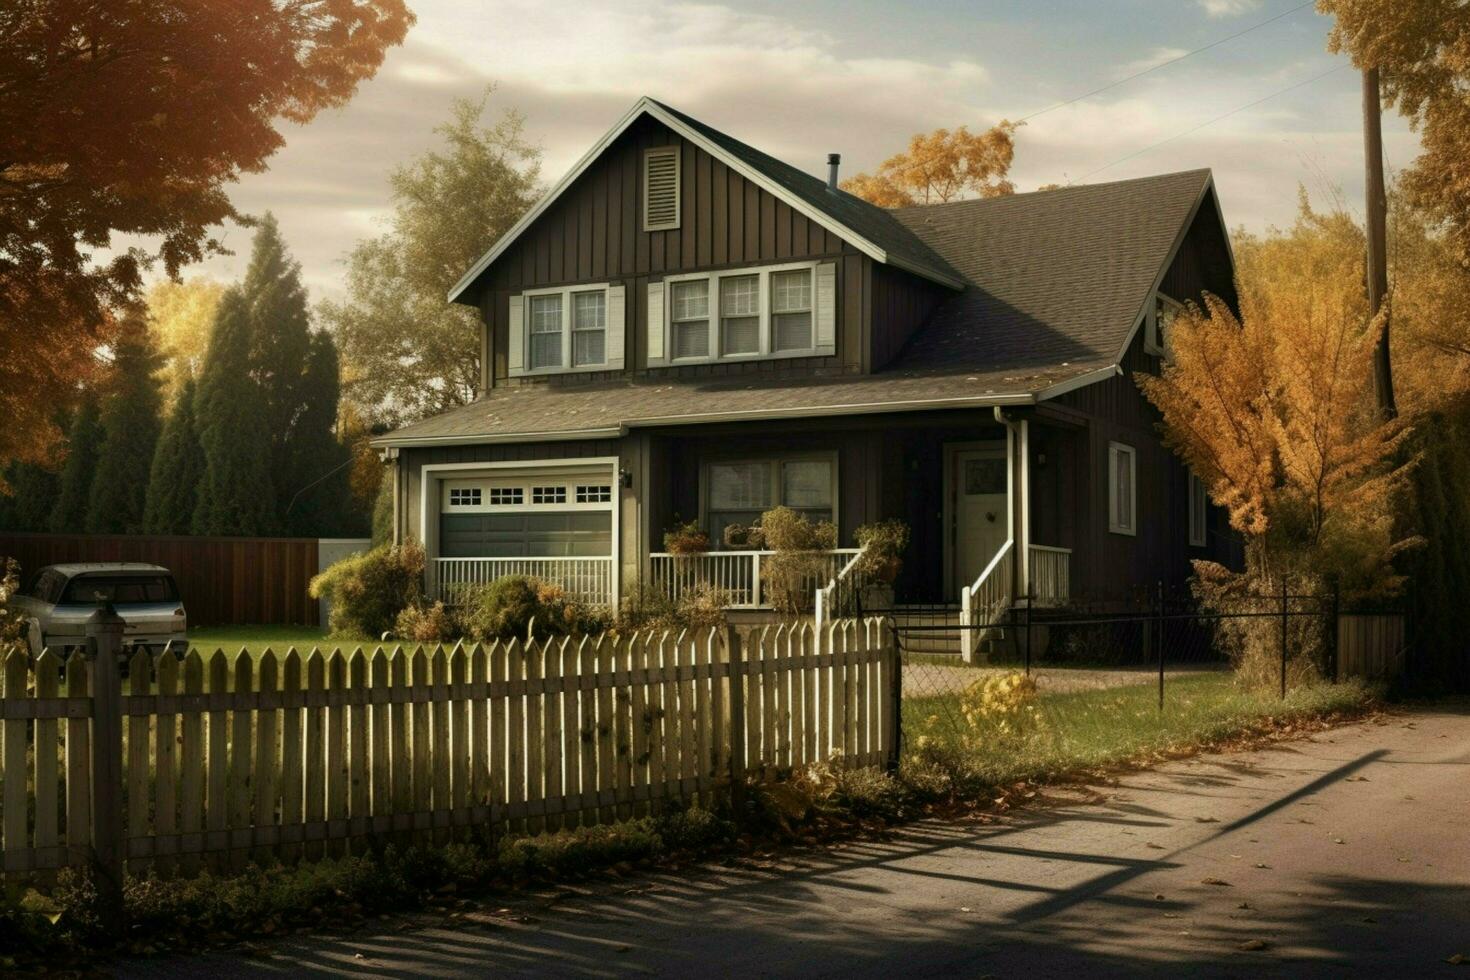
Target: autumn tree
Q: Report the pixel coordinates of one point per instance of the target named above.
(130, 424)
(180, 315)
(406, 351)
(945, 165)
(1422, 51)
(131, 118)
(1274, 411)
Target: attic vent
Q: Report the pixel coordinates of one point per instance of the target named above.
(661, 188)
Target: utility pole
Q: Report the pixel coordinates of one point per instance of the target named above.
(1377, 205)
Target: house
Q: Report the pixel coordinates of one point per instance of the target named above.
(686, 328)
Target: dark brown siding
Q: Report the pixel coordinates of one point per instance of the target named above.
(593, 233)
(901, 303)
(223, 581)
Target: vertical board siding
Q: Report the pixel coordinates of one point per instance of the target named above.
(285, 760)
(223, 581)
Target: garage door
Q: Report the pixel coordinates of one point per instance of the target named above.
(533, 516)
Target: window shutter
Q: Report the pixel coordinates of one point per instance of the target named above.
(661, 188)
(656, 353)
(515, 362)
(826, 308)
(616, 302)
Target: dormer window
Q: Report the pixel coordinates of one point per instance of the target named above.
(739, 314)
(567, 328)
(661, 188)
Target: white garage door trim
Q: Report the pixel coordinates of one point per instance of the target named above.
(437, 479)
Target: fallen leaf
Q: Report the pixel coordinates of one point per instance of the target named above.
(1157, 847)
(1250, 945)
(1244, 905)
(966, 908)
(1206, 819)
(1214, 881)
(1338, 840)
(1159, 897)
(1261, 865)
(1369, 919)
(1457, 960)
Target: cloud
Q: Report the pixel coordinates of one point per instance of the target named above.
(1158, 57)
(1229, 8)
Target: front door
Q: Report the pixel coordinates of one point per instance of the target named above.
(980, 511)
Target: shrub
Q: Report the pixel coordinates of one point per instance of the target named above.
(1253, 642)
(687, 538)
(650, 607)
(431, 624)
(517, 606)
(369, 591)
(798, 567)
(883, 544)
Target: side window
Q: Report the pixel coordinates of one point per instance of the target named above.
(1122, 489)
(1160, 319)
(1198, 512)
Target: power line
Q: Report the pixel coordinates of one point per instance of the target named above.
(1209, 122)
(1171, 61)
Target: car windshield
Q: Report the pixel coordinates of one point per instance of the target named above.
(97, 589)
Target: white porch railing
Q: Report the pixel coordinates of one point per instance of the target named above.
(736, 573)
(1051, 575)
(986, 600)
(839, 596)
(588, 580)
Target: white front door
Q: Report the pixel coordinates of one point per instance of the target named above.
(980, 511)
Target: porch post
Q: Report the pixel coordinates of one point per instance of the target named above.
(1023, 509)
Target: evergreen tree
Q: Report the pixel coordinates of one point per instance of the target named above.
(383, 510)
(280, 348)
(318, 495)
(84, 441)
(235, 495)
(130, 426)
(32, 495)
(178, 466)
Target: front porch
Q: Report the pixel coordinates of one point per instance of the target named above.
(990, 501)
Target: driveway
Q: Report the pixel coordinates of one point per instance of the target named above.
(1346, 853)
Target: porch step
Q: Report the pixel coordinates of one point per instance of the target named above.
(929, 630)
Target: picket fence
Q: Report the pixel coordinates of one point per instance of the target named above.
(215, 761)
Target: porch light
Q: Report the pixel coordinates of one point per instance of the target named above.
(625, 478)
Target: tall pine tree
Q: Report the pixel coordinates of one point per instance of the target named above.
(318, 496)
(236, 496)
(84, 441)
(130, 425)
(27, 507)
(280, 348)
(178, 466)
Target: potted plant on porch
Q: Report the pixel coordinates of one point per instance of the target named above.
(883, 544)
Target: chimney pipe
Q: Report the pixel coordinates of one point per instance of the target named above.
(833, 160)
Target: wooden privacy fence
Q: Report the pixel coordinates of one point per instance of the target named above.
(221, 759)
(223, 581)
(1370, 645)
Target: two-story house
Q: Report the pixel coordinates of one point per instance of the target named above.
(685, 328)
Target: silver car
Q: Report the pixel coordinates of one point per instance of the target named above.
(60, 599)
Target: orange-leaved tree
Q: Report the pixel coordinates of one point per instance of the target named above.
(944, 165)
(130, 118)
(1274, 411)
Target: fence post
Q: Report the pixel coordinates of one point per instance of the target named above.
(896, 692)
(104, 644)
(1028, 634)
(1283, 636)
(967, 620)
(1159, 640)
(736, 717)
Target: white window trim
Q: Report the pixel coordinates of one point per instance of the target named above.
(772, 463)
(767, 349)
(566, 293)
(1152, 342)
(1199, 511)
(1116, 450)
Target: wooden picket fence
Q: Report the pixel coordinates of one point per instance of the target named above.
(220, 760)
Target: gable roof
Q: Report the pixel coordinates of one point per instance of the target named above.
(1053, 276)
(867, 227)
(1056, 285)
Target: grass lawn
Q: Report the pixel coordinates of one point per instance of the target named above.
(1082, 729)
(278, 638)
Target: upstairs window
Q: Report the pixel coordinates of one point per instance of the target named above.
(661, 188)
(546, 331)
(589, 328)
(740, 315)
(1160, 319)
(690, 316)
(791, 310)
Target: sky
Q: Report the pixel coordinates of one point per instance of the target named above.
(858, 77)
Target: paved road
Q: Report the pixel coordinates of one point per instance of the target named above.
(1344, 854)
